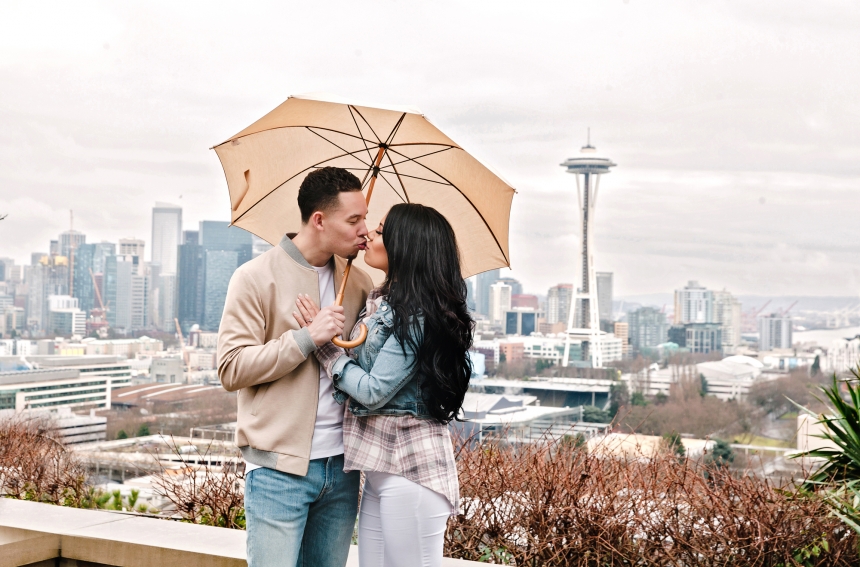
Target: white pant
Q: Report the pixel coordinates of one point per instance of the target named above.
(401, 523)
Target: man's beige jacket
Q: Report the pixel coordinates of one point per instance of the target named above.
(264, 354)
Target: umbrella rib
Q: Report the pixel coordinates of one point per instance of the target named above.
(421, 156)
(346, 152)
(264, 197)
(393, 188)
(394, 130)
(378, 141)
(399, 180)
(366, 147)
(478, 212)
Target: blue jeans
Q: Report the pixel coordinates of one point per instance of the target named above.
(302, 521)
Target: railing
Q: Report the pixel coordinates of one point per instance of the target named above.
(35, 535)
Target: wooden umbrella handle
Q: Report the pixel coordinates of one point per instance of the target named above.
(339, 341)
(362, 336)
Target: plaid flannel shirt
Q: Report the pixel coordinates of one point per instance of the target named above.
(419, 450)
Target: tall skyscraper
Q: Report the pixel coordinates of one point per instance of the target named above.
(604, 296)
(775, 331)
(127, 291)
(694, 304)
(500, 301)
(69, 239)
(727, 314)
(482, 290)
(101, 251)
(83, 289)
(166, 238)
(217, 237)
(558, 303)
(190, 280)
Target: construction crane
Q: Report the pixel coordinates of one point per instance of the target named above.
(790, 308)
(757, 313)
(181, 341)
(98, 293)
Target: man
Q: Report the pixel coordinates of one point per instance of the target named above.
(300, 507)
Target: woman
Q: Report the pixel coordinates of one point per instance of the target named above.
(405, 383)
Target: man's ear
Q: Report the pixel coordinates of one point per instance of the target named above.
(316, 220)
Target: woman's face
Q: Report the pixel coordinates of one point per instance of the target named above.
(375, 255)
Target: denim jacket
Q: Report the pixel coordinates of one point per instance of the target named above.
(381, 380)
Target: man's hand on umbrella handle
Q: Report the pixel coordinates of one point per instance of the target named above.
(323, 324)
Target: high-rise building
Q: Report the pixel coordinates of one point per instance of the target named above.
(774, 332)
(470, 293)
(218, 268)
(622, 331)
(604, 296)
(190, 281)
(727, 313)
(516, 286)
(525, 300)
(127, 291)
(102, 250)
(694, 304)
(500, 301)
(82, 278)
(558, 303)
(131, 247)
(482, 290)
(71, 239)
(166, 235)
(647, 328)
(166, 238)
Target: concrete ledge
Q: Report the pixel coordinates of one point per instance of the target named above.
(31, 533)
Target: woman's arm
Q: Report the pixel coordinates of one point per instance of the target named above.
(391, 370)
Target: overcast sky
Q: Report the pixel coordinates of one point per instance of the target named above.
(735, 124)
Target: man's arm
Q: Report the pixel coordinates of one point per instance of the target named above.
(244, 358)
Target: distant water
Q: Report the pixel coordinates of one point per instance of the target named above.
(825, 337)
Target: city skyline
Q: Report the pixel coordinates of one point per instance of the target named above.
(730, 170)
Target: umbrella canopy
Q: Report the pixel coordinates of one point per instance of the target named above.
(266, 163)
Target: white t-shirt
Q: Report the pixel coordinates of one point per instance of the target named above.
(328, 429)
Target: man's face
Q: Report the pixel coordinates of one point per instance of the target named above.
(344, 231)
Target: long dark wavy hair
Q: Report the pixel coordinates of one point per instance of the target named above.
(424, 279)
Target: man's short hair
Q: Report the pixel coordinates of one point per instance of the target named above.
(320, 189)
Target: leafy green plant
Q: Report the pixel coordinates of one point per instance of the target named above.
(842, 428)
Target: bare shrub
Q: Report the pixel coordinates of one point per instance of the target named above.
(554, 504)
(213, 496)
(34, 465)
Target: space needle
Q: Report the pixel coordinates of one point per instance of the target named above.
(585, 326)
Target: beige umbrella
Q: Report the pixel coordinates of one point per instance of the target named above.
(397, 153)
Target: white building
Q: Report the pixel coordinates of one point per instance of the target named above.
(551, 348)
(842, 355)
(500, 301)
(774, 332)
(727, 313)
(558, 303)
(694, 304)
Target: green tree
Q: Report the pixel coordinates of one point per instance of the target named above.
(816, 366)
(703, 385)
(121, 434)
(674, 443)
(593, 414)
(721, 455)
(619, 396)
(638, 399)
(661, 398)
(143, 430)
